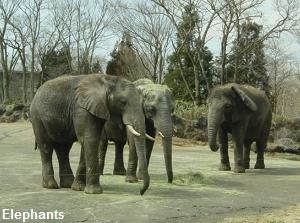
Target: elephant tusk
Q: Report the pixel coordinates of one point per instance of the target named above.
(175, 130)
(149, 137)
(159, 133)
(132, 130)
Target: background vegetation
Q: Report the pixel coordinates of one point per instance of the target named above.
(190, 45)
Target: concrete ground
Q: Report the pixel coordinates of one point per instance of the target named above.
(200, 193)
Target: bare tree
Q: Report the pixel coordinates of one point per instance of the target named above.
(81, 26)
(173, 9)
(7, 10)
(281, 71)
(32, 13)
(19, 42)
(151, 32)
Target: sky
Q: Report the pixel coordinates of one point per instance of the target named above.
(269, 16)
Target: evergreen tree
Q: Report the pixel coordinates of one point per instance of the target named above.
(181, 76)
(55, 63)
(248, 58)
(125, 61)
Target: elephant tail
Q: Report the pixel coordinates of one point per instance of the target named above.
(35, 146)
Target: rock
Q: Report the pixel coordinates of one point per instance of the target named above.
(2, 109)
(8, 119)
(284, 133)
(190, 129)
(9, 109)
(19, 107)
(16, 115)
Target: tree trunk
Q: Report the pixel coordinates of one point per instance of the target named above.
(32, 73)
(1, 87)
(24, 84)
(5, 83)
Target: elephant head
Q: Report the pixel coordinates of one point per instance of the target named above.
(158, 106)
(104, 95)
(227, 105)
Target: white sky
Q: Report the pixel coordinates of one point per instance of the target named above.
(268, 18)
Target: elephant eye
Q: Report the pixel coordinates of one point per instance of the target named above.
(228, 107)
(123, 101)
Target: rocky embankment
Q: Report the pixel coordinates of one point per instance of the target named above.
(13, 112)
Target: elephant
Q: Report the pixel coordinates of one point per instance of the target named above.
(158, 106)
(75, 108)
(245, 112)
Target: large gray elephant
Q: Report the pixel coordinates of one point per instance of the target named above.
(245, 112)
(75, 108)
(158, 106)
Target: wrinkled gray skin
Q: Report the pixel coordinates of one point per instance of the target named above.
(245, 112)
(158, 106)
(75, 108)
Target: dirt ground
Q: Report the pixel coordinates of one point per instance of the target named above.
(200, 193)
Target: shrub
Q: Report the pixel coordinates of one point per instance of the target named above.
(190, 111)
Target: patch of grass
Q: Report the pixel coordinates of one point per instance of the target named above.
(275, 221)
(191, 178)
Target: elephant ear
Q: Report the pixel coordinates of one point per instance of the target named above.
(91, 94)
(248, 102)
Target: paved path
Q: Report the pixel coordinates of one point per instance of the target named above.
(270, 195)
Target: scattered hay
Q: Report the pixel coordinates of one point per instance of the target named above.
(191, 178)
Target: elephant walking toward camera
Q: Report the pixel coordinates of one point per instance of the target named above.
(158, 106)
(75, 108)
(245, 112)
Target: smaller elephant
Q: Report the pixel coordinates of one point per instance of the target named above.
(245, 112)
(158, 106)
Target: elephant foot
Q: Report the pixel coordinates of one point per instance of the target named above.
(50, 183)
(259, 165)
(119, 171)
(239, 169)
(93, 189)
(131, 179)
(66, 181)
(224, 167)
(246, 165)
(78, 185)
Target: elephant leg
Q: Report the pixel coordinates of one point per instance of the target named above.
(119, 168)
(223, 139)
(132, 162)
(238, 137)
(247, 147)
(260, 147)
(92, 166)
(102, 153)
(65, 172)
(46, 152)
(80, 177)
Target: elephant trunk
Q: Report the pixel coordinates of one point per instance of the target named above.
(136, 126)
(165, 127)
(167, 146)
(141, 154)
(213, 126)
